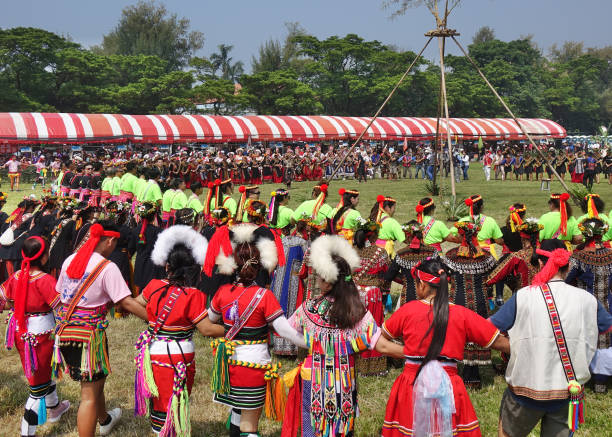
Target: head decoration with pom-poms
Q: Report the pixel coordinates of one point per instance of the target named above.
(421, 207)
(380, 199)
(243, 204)
(320, 200)
(470, 247)
(342, 192)
(562, 198)
(273, 206)
(321, 252)
(470, 201)
(179, 234)
(145, 210)
(591, 208)
(515, 216)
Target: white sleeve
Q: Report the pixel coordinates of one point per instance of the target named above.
(284, 329)
(213, 316)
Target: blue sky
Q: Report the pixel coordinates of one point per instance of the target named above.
(246, 23)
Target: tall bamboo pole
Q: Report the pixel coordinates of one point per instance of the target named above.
(361, 135)
(466, 54)
(448, 135)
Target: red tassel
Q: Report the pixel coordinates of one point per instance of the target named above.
(143, 229)
(419, 211)
(280, 251)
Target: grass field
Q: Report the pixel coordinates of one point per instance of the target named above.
(208, 419)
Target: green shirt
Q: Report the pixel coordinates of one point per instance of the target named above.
(116, 186)
(151, 192)
(350, 218)
(227, 202)
(284, 217)
(307, 207)
(551, 222)
(139, 186)
(179, 200)
(195, 204)
(604, 218)
(167, 200)
(390, 229)
(437, 233)
(489, 229)
(127, 183)
(107, 184)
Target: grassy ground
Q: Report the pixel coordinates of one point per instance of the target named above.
(209, 418)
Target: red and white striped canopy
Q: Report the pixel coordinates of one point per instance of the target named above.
(89, 128)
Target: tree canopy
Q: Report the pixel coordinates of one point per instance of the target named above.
(302, 74)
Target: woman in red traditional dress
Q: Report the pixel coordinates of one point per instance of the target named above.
(434, 333)
(165, 362)
(244, 377)
(31, 293)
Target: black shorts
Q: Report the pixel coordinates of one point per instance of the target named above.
(72, 359)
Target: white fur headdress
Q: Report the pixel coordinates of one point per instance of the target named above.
(179, 234)
(244, 233)
(321, 252)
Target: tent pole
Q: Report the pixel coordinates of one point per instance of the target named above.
(524, 132)
(448, 135)
(361, 135)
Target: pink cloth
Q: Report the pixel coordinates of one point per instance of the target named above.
(109, 286)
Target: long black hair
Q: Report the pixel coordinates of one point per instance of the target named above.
(346, 309)
(279, 196)
(374, 210)
(548, 246)
(440, 310)
(428, 210)
(347, 196)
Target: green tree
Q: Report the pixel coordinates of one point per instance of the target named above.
(149, 29)
(221, 62)
(276, 56)
(279, 92)
(484, 34)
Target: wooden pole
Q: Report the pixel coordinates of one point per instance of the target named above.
(361, 135)
(448, 135)
(466, 54)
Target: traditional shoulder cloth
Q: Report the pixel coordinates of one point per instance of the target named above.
(83, 327)
(576, 410)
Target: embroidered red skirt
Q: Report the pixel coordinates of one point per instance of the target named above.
(398, 416)
(44, 351)
(164, 377)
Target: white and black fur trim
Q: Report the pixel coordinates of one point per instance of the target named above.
(321, 252)
(243, 233)
(179, 234)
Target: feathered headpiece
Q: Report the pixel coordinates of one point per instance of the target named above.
(321, 253)
(515, 218)
(562, 198)
(179, 234)
(591, 208)
(420, 208)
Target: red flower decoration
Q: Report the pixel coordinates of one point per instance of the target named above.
(565, 197)
(341, 191)
(380, 198)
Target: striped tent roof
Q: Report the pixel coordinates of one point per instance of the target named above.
(83, 128)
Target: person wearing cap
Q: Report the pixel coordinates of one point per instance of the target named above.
(435, 334)
(591, 269)
(434, 231)
(490, 232)
(390, 230)
(315, 208)
(345, 215)
(559, 222)
(14, 171)
(553, 329)
(87, 284)
(31, 293)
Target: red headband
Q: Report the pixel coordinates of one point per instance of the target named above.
(556, 259)
(424, 276)
(77, 266)
(420, 208)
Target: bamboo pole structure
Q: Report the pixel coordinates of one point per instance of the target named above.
(361, 135)
(466, 54)
(448, 135)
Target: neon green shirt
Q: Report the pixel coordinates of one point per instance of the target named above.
(107, 184)
(551, 222)
(139, 186)
(350, 218)
(127, 183)
(227, 202)
(284, 217)
(116, 186)
(167, 200)
(437, 233)
(179, 201)
(489, 228)
(390, 229)
(195, 204)
(604, 218)
(307, 207)
(151, 192)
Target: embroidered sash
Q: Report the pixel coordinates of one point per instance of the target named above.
(246, 314)
(430, 224)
